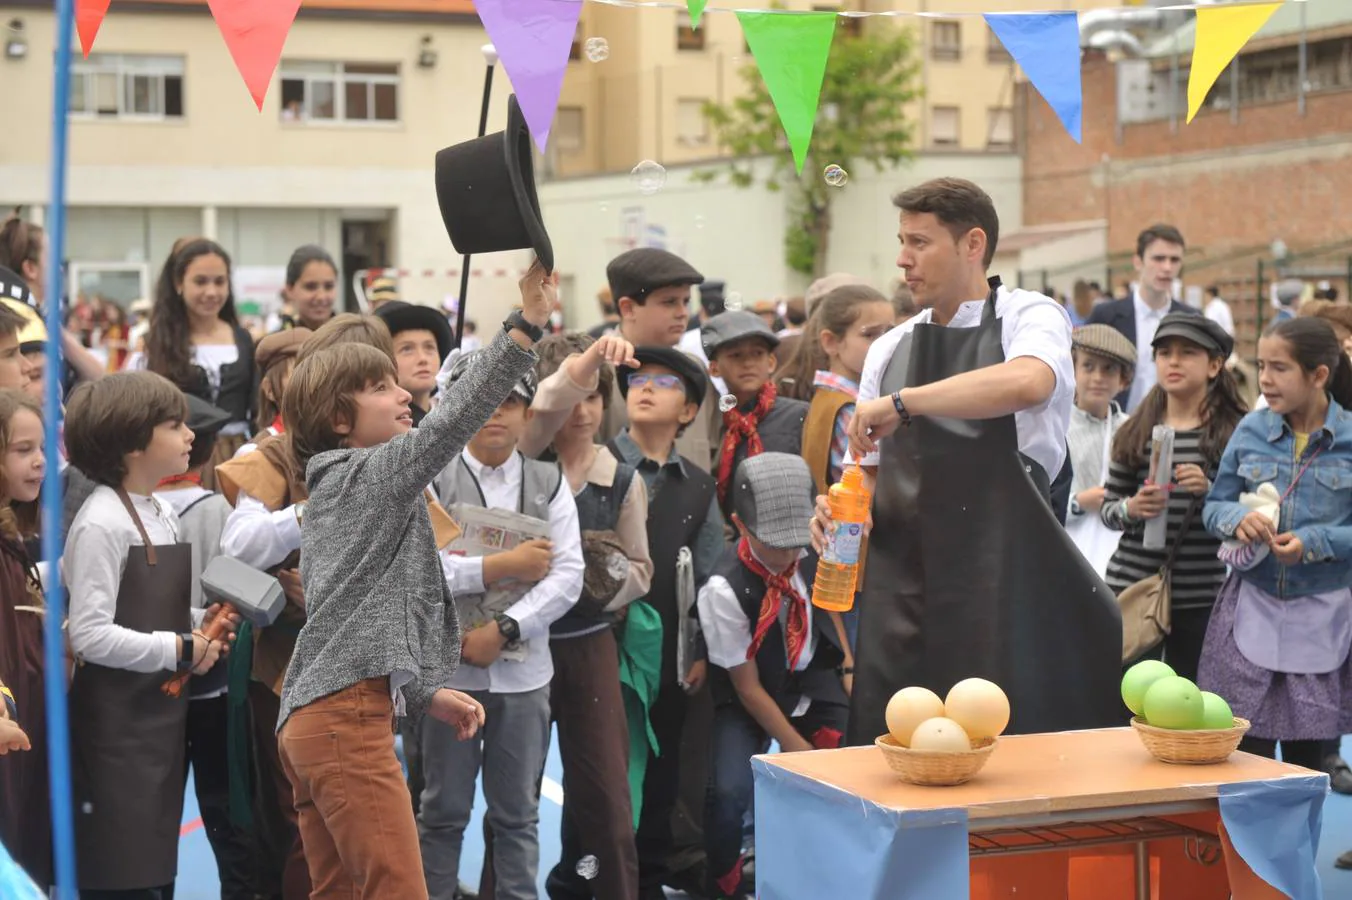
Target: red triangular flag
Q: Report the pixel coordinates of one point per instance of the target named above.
(88, 17)
(255, 32)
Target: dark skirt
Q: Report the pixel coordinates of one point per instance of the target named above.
(1281, 706)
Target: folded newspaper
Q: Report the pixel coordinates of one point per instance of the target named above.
(687, 618)
(484, 533)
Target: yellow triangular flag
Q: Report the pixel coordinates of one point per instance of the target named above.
(1222, 31)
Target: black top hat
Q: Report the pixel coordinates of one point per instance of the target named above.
(486, 191)
(401, 316)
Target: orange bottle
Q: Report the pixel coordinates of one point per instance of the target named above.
(838, 568)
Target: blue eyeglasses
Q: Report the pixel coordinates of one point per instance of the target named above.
(641, 380)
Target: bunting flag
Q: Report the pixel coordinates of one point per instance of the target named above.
(1047, 47)
(696, 8)
(533, 39)
(791, 51)
(255, 32)
(88, 17)
(1222, 31)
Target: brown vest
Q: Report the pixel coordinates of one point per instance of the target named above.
(819, 432)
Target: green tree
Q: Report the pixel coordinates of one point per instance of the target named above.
(861, 118)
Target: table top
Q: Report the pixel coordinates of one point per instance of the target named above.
(1037, 774)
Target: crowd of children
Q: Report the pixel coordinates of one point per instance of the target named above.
(603, 533)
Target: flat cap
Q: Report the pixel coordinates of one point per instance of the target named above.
(1105, 340)
(772, 495)
(636, 273)
(691, 370)
(734, 325)
(1196, 328)
(280, 345)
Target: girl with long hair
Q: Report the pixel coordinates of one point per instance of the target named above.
(311, 287)
(1196, 396)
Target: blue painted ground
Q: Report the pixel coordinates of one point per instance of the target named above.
(197, 867)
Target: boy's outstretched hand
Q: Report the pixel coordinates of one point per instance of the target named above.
(12, 737)
(459, 710)
(611, 349)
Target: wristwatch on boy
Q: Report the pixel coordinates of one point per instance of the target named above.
(519, 322)
(508, 628)
(185, 655)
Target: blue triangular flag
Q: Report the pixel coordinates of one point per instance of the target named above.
(1047, 47)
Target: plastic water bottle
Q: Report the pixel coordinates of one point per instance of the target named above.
(838, 568)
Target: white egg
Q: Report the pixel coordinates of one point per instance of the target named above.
(979, 706)
(941, 734)
(908, 708)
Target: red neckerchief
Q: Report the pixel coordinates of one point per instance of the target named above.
(277, 426)
(741, 426)
(776, 588)
(179, 480)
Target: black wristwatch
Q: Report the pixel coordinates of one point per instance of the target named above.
(186, 655)
(1075, 508)
(901, 408)
(518, 321)
(508, 627)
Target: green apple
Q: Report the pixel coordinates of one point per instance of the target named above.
(1216, 712)
(1138, 680)
(1174, 702)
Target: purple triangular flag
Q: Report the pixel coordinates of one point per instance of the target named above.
(533, 39)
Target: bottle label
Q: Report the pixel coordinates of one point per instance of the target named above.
(842, 543)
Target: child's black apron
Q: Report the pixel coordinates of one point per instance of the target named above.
(969, 572)
(127, 736)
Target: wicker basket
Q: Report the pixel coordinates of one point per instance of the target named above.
(1192, 748)
(935, 767)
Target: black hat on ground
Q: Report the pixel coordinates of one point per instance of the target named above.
(486, 191)
(678, 361)
(400, 316)
(638, 272)
(1195, 328)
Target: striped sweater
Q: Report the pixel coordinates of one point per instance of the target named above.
(1197, 573)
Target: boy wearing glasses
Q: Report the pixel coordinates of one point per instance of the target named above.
(663, 396)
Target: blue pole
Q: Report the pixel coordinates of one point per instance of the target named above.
(58, 722)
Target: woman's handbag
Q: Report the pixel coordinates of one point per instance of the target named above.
(1147, 605)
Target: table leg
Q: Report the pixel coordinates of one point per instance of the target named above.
(1142, 871)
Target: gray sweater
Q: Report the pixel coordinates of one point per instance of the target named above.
(376, 599)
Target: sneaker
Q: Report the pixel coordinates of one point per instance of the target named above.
(1344, 861)
(464, 892)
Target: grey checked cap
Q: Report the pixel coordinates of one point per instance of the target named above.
(733, 325)
(772, 495)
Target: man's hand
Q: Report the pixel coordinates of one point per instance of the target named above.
(694, 679)
(459, 710)
(482, 646)
(1254, 528)
(1148, 502)
(292, 587)
(611, 349)
(539, 294)
(1288, 549)
(1191, 478)
(12, 737)
(873, 421)
(1090, 499)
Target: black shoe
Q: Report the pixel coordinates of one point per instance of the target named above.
(1340, 776)
(691, 881)
(464, 892)
(652, 893)
(1344, 861)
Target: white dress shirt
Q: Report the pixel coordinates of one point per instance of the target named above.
(728, 630)
(95, 558)
(1218, 311)
(1031, 324)
(692, 343)
(547, 601)
(258, 536)
(1147, 323)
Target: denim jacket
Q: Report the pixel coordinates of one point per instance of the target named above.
(1318, 511)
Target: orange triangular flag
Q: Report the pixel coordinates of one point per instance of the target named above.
(255, 32)
(88, 17)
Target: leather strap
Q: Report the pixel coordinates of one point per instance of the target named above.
(1191, 514)
(145, 538)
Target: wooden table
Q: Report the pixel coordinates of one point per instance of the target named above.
(1079, 809)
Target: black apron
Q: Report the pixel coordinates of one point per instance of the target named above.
(969, 573)
(127, 736)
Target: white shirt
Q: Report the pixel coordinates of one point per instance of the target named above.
(1218, 311)
(728, 631)
(95, 558)
(181, 501)
(258, 536)
(1031, 324)
(691, 343)
(549, 600)
(1147, 323)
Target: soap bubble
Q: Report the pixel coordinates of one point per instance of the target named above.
(699, 221)
(648, 177)
(86, 807)
(597, 49)
(835, 175)
(587, 867)
(727, 403)
(733, 301)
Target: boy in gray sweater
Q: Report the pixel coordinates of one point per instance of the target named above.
(381, 637)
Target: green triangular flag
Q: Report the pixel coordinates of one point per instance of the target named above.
(696, 8)
(791, 50)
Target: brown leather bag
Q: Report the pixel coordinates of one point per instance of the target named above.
(1147, 605)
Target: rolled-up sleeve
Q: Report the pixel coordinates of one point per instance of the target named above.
(726, 628)
(632, 529)
(1041, 331)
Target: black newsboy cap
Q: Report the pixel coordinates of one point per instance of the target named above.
(682, 363)
(634, 273)
(1195, 328)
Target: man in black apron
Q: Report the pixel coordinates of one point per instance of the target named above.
(969, 572)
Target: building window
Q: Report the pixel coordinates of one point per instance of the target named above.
(946, 40)
(691, 127)
(687, 37)
(945, 126)
(127, 87)
(575, 51)
(567, 135)
(1000, 128)
(995, 51)
(339, 92)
